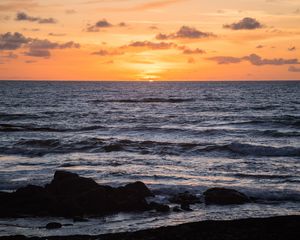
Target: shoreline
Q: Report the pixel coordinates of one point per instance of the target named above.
(279, 227)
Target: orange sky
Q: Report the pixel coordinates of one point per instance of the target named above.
(150, 39)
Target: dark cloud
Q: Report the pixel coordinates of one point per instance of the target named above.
(294, 69)
(254, 59)
(152, 45)
(245, 24)
(257, 60)
(46, 44)
(12, 41)
(185, 32)
(103, 52)
(98, 25)
(292, 49)
(22, 16)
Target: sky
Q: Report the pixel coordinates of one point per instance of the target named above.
(149, 40)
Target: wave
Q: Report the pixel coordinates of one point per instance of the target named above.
(146, 100)
(257, 150)
(34, 128)
(93, 145)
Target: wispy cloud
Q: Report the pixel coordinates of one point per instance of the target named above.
(254, 59)
(22, 16)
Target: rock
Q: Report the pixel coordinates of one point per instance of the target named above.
(186, 207)
(224, 196)
(177, 209)
(66, 183)
(137, 188)
(159, 207)
(69, 195)
(53, 225)
(185, 198)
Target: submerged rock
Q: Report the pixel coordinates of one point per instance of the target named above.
(224, 196)
(69, 195)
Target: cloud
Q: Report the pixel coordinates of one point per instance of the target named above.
(294, 69)
(46, 44)
(12, 41)
(245, 24)
(103, 52)
(254, 59)
(38, 53)
(292, 49)
(10, 55)
(70, 11)
(22, 16)
(257, 60)
(98, 25)
(191, 60)
(151, 45)
(225, 59)
(123, 24)
(260, 46)
(185, 32)
(186, 50)
(56, 34)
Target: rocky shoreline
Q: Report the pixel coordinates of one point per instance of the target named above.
(72, 196)
(274, 228)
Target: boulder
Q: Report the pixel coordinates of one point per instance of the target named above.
(185, 198)
(224, 196)
(69, 195)
(66, 183)
(159, 207)
(53, 225)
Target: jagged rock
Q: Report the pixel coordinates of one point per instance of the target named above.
(224, 196)
(69, 195)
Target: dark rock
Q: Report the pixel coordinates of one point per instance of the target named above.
(69, 195)
(224, 196)
(185, 198)
(66, 183)
(137, 188)
(159, 207)
(186, 207)
(177, 209)
(53, 225)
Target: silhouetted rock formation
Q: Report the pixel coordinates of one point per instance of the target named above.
(70, 195)
(224, 196)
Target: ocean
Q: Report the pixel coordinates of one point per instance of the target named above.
(173, 136)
